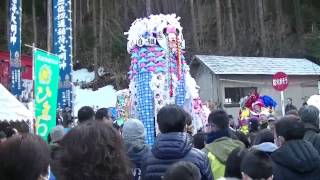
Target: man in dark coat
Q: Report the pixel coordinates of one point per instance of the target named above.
(133, 133)
(310, 118)
(295, 159)
(173, 145)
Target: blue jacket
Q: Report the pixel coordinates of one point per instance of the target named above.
(170, 148)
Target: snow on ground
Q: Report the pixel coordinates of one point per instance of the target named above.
(103, 97)
(83, 75)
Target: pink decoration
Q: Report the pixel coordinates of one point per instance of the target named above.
(143, 55)
(160, 64)
(142, 65)
(158, 54)
(135, 50)
(134, 60)
(152, 59)
(151, 49)
(152, 69)
(171, 29)
(172, 70)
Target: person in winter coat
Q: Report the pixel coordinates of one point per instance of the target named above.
(133, 133)
(295, 159)
(219, 143)
(310, 117)
(173, 144)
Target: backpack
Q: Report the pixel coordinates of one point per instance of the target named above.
(217, 168)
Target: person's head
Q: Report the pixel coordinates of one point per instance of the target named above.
(189, 127)
(288, 128)
(24, 156)
(293, 111)
(92, 150)
(133, 133)
(199, 140)
(85, 113)
(256, 107)
(310, 114)
(253, 124)
(171, 118)
(57, 134)
(219, 120)
(243, 138)
(271, 120)
(182, 170)
(256, 165)
(233, 163)
(289, 101)
(265, 135)
(103, 114)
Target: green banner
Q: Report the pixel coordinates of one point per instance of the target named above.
(46, 73)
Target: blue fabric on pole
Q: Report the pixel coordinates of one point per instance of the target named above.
(145, 105)
(181, 92)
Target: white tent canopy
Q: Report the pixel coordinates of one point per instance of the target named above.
(11, 109)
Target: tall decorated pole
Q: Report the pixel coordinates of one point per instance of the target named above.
(62, 46)
(15, 13)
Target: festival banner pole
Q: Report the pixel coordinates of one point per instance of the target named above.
(62, 46)
(14, 45)
(46, 91)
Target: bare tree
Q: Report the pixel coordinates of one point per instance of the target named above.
(230, 15)
(194, 29)
(49, 21)
(299, 22)
(88, 6)
(279, 25)
(148, 7)
(8, 21)
(262, 30)
(75, 28)
(101, 30)
(34, 23)
(219, 24)
(95, 53)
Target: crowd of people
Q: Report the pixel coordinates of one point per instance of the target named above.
(287, 147)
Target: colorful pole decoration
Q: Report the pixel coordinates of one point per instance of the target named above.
(45, 91)
(62, 38)
(15, 46)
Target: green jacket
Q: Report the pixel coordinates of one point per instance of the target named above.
(218, 152)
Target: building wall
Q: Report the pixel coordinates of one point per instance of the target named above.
(206, 81)
(299, 88)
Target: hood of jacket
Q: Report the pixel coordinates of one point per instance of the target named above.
(136, 152)
(267, 147)
(173, 145)
(222, 147)
(298, 156)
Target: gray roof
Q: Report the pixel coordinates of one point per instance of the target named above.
(258, 65)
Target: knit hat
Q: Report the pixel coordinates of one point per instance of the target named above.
(133, 129)
(57, 133)
(310, 114)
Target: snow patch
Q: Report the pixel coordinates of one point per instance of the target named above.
(103, 98)
(83, 75)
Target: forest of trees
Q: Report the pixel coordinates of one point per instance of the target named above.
(273, 28)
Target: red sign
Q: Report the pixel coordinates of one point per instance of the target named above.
(280, 81)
